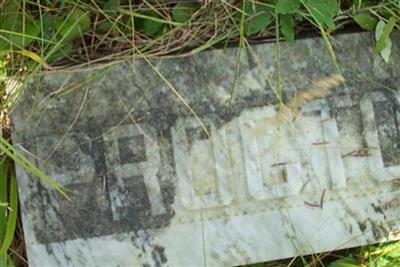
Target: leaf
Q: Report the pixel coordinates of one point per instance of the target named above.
(110, 7)
(322, 11)
(344, 262)
(62, 51)
(183, 11)
(148, 25)
(333, 6)
(18, 31)
(74, 24)
(382, 35)
(49, 28)
(257, 17)
(287, 27)
(11, 9)
(287, 6)
(384, 43)
(385, 11)
(389, 249)
(127, 23)
(366, 21)
(104, 27)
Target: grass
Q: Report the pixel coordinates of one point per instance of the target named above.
(37, 36)
(57, 34)
(383, 255)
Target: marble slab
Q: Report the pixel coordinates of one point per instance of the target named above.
(201, 164)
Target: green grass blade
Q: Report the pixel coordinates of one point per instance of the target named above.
(143, 16)
(10, 263)
(12, 215)
(3, 260)
(19, 159)
(3, 198)
(330, 48)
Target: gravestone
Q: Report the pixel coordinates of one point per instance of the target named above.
(194, 165)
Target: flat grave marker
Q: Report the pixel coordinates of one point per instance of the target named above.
(233, 182)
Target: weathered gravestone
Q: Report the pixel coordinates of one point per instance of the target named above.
(152, 188)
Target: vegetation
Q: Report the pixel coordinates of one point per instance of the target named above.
(46, 35)
(69, 32)
(385, 255)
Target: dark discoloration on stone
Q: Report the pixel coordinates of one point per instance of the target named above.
(351, 117)
(158, 256)
(362, 226)
(131, 149)
(90, 203)
(387, 117)
(377, 209)
(378, 231)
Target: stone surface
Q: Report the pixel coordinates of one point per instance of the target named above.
(149, 187)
